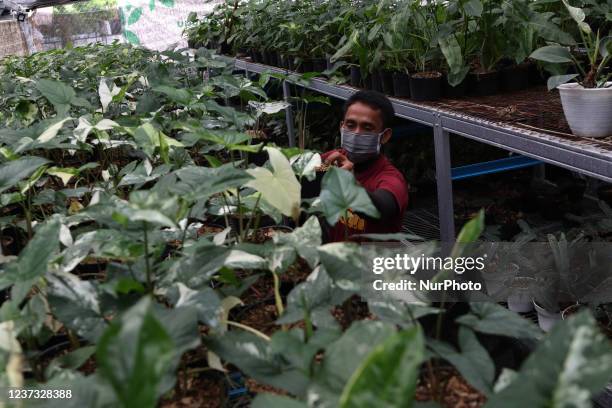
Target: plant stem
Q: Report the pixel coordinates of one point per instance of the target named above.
(277, 296)
(147, 264)
(248, 328)
(253, 214)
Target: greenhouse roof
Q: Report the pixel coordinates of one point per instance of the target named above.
(25, 5)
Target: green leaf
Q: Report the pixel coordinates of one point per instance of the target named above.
(578, 15)
(34, 259)
(556, 80)
(167, 3)
(473, 8)
(180, 95)
(254, 356)
(14, 171)
(389, 374)
(134, 15)
(305, 164)
(279, 187)
(568, 367)
(341, 192)
(71, 361)
(305, 240)
(58, 93)
(52, 131)
(206, 302)
(473, 362)
(491, 318)
(552, 53)
(134, 354)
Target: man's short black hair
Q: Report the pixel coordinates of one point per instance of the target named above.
(375, 100)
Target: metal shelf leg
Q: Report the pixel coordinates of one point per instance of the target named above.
(444, 185)
(289, 114)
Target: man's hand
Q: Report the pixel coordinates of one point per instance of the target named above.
(341, 160)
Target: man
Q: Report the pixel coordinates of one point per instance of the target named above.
(366, 126)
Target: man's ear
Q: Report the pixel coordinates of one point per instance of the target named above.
(341, 124)
(386, 136)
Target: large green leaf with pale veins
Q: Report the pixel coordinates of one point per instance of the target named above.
(572, 363)
(389, 374)
(340, 192)
(14, 171)
(491, 318)
(134, 355)
(279, 187)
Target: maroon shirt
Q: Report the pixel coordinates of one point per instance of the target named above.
(380, 174)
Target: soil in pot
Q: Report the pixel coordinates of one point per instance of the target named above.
(386, 80)
(514, 78)
(426, 86)
(484, 84)
(401, 84)
(355, 76)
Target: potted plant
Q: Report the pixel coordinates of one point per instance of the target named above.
(457, 67)
(422, 29)
(488, 42)
(587, 102)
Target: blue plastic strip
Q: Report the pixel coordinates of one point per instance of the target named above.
(240, 389)
(494, 166)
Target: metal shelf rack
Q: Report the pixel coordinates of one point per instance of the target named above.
(575, 155)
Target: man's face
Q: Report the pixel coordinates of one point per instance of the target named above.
(361, 118)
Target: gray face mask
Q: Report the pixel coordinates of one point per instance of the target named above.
(360, 147)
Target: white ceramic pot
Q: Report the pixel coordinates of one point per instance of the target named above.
(588, 111)
(546, 318)
(519, 299)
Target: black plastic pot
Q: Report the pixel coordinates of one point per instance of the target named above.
(484, 84)
(290, 62)
(355, 76)
(376, 84)
(535, 75)
(425, 88)
(454, 92)
(256, 56)
(386, 80)
(401, 84)
(319, 64)
(305, 66)
(514, 78)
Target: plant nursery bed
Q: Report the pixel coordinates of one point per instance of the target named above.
(534, 108)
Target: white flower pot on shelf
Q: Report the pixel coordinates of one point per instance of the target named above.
(588, 111)
(546, 318)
